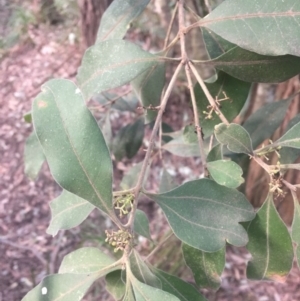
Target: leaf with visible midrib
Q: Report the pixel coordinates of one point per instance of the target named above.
(73, 144)
(117, 17)
(62, 287)
(205, 215)
(235, 137)
(68, 211)
(270, 244)
(291, 138)
(111, 64)
(267, 27)
(206, 267)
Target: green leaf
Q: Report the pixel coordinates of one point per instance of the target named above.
(111, 64)
(141, 224)
(215, 45)
(235, 137)
(270, 244)
(226, 173)
(129, 294)
(28, 117)
(73, 143)
(116, 19)
(129, 140)
(252, 67)
(248, 25)
(88, 260)
(215, 153)
(190, 134)
(105, 127)
(291, 138)
(262, 124)
(167, 182)
(62, 287)
(148, 87)
(204, 214)
(141, 271)
(289, 155)
(206, 267)
(225, 86)
(296, 227)
(68, 211)
(177, 287)
(33, 156)
(115, 285)
(180, 147)
(145, 292)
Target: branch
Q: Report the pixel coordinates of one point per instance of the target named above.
(209, 97)
(151, 145)
(170, 26)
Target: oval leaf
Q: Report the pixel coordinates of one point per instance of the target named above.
(180, 147)
(235, 137)
(87, 260)
(248, 25)
(296, 227)
(111, 64)
(269, 239)
(68, 211)
(206, 267)
(118, 16)
(33, 156)
(226, 173)
(216, 153)
(62, 287)
(177, 287)
(205, 215)
(232, 94)
(73, 143)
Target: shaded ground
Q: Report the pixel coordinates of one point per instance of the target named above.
(26, 252)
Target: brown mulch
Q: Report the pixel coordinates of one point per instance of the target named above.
(27, 253)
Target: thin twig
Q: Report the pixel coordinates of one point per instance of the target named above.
(265, 166)
(290, 186)
(182, 31)
(170, 26)
(196, 117)
(159, 245)
(207, 5)
(209, 97)
(151, 145)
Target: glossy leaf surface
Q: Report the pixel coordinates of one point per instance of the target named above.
(226, 173)
(177, 287)
(269, 239)
(111, 64)
(87, 260)
(141, 224)
(248, 24)
(262, 124)
(116, 19)
(235, 137)
(204, 214)
(115, 285)
(62, 287)
(224, 87)
(68, 211)
(206, 267)
(148, 87)
(33, 156)
(73, 144)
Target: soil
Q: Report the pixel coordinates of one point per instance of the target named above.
(27, 252)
